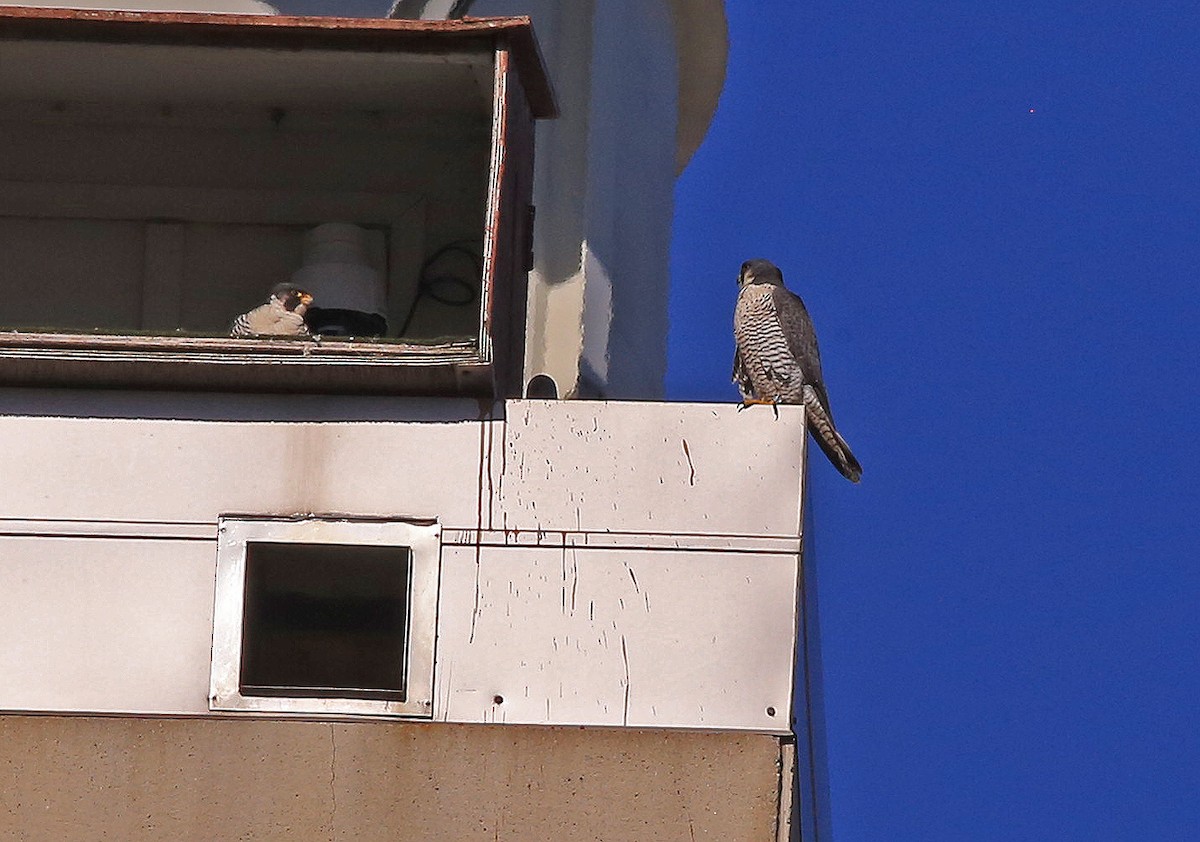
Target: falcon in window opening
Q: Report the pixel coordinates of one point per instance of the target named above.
(777, 361)
(282, 315)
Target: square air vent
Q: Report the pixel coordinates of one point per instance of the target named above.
(318, 615)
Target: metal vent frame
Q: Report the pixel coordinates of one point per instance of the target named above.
(421, 537)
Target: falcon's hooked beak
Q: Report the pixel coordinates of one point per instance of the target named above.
(305, 299)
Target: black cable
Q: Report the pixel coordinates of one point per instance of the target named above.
(450, 290)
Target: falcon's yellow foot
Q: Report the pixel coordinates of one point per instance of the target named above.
(771, 402)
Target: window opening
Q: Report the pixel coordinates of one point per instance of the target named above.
(325, 621)
(325, 615)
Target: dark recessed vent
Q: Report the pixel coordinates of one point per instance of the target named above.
(326, 621)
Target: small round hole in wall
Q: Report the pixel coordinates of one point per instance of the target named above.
(498, 699)
(770, 711)
(542, 387)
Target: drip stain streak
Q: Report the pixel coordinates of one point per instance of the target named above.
(688, 455)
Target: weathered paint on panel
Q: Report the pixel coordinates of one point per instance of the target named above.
(565, 636)
(682, 616)
(613, 637)
(83, 779)
(655, 468)
(658, 468)
(105, 625)
(194, 471)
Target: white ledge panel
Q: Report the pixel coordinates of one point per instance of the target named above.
(614, 564)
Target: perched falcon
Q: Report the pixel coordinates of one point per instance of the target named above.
(777, 361)
(282, 315)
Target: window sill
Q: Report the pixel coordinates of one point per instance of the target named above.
(253, 365)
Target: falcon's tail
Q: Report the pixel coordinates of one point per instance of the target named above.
(820, 424)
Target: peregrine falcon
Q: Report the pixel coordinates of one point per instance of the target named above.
(776, 360)
(282, 315)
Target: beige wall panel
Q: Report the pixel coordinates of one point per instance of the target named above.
(560, 637)
(196, 470)
(105, 625)
(525, 635)
(86, 779)
(650, 468)
(616, 637)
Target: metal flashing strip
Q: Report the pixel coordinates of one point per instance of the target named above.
(451, 536)
(154, 530)
(230, 687)
(784, 544)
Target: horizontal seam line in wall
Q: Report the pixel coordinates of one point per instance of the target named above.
(642, 548)
(772, 536)
(4, 520)
(132, 536)
(122, 536)
(451, 536)
(610, 532)
(397, 719)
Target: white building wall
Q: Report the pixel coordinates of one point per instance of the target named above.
(605, 194)
(602, 563)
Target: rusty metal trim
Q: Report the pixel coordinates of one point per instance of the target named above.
(292, 33)
(259, 365)
(495, 199)
(222, 349)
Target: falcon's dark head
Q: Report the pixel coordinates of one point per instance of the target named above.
(759, 271)
(290, 296)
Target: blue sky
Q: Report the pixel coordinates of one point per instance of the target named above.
(993, 214)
